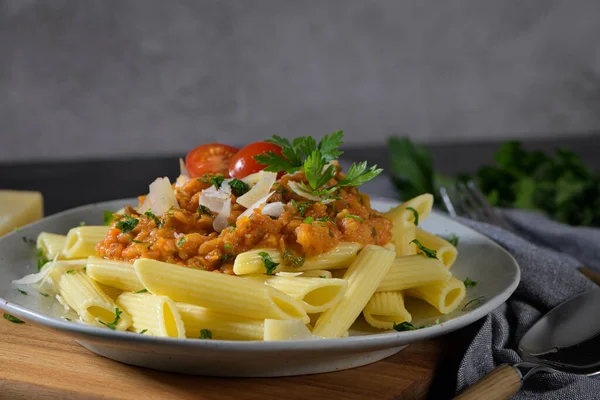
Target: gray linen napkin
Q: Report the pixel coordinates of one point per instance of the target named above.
(548, 277)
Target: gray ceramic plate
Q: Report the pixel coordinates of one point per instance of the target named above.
(479, 258)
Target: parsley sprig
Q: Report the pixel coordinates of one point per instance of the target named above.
(270, 265)
(113, 325)
(431, 253)
(127, 224)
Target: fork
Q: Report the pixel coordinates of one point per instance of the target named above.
(465, 199)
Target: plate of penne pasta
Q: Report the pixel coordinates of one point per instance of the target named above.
(262, 261)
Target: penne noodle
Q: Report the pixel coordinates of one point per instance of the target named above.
(444, 296)
(422, 204)
(220, 292)
(290, 329)
(81, 241)
(411, 271)
(316, 273)
(153, 315)
(251, 262)
(386, 308)
(315, 294)
(222, 326)
(446, 253)
(363, 276)
(51, 244)
(87, 299)
(403, 233)
(340, 257)
(119, 274)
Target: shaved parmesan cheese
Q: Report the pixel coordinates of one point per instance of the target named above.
(220, 221)
(181, 180)
(250, 210)
(38, 277)
(182, 169)
(252, 179)
(160, 198)
(262, 187)
(214, 198)
(300, 191)
(273, 209)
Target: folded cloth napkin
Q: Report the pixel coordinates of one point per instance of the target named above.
(548, 261)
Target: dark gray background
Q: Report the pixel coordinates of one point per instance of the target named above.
(102, 78)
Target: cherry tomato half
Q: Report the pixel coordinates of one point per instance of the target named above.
(243, 163)
(212, 158)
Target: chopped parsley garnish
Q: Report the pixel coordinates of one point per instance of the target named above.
(227, 246)
(292, 259)
(238, 188)
(127, 224)
(44, 294)
(471, 305)
(204, 210)
(270, 265)
(151, 215)
(181, 241)
(113, 325)
(108, 217)
(302, 206)
(323, 276)
(67, 319)
(452, 239)
(324, 219)
(71, 271)
(431, 253)
(404, 326)
(308, 220)
(468, 282)
(13, 319)
(205, 334)
(82, 223)
(143, 331)
(141, 291)
(215, 180)
(137, 241)
(304, 153)
(415, 214)
(22, 291)
(374, 232)
(362, 221)
(227, 258)
(42, 260)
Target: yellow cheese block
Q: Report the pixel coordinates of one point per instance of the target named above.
(18, 208)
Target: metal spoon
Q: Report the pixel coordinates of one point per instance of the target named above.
(566, 339)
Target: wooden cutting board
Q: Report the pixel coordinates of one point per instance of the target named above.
(36, 363)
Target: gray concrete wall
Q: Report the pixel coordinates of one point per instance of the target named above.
(97, 78)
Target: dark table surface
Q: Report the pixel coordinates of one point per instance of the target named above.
(67, 184)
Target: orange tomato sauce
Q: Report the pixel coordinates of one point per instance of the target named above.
(306, 228)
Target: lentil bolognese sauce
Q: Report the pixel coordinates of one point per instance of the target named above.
(300, 203)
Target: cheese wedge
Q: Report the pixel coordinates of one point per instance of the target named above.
(18, 208)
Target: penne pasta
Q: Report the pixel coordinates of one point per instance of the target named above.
(153, 315)
(290, 329)
(222, 326)
(421, 204)
(386, 308)
(81, 241)
(251, 262)
(444, 296)
(446, 253)
(87, 299)
(340, 257)
(403, 233)
(235, 295)
(411, 271)
(51, 244)
(317, 273)
(363, 276)
(119, 274)
(315, 294)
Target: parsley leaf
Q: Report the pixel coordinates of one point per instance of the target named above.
(316, 173)
(404, 326)
(359, 174)
(292, 259)
(473, 304)
(324, 219)
(302, 206)
(44, 294)
(113, 325)
(204, 210)
(127, 224)
(270, 265)
(238, 188)
(215, 180)
(431, 253)
(181, 241)
(468, 282)
(362, 221)
(82, 223)
(151, 215)
(41, 258)
(143, 331)
(13, 319)
(452, 239)
(415, 215)
(71, 271)
(329, 145)
(141, 291)
(205, 334)
(108, 217)
(323, 276)
(22, 291)
(308, 220)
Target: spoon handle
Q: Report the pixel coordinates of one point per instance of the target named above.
(500, 384)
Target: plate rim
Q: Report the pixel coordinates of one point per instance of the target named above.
(371, 341)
